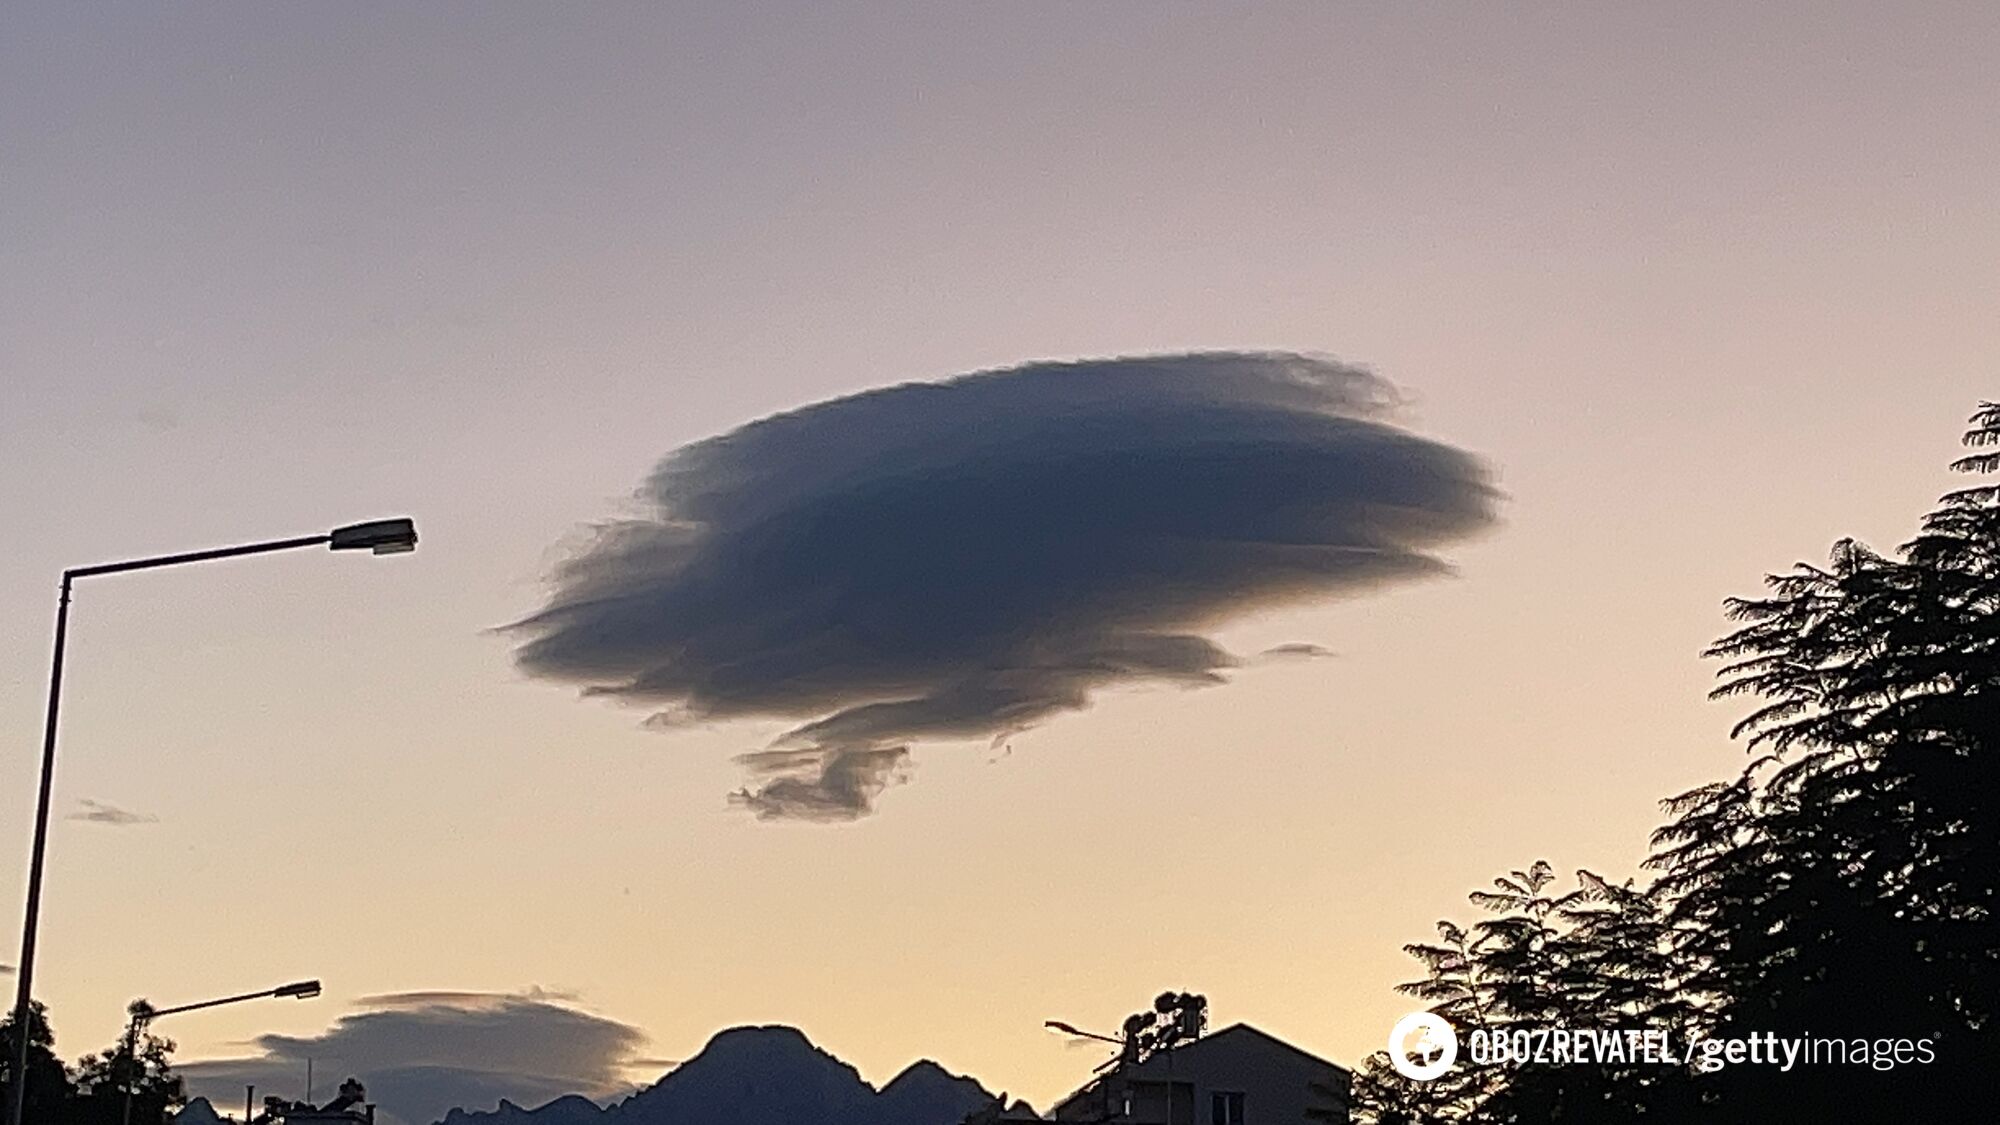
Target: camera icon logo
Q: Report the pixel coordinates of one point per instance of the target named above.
(1422, 1046)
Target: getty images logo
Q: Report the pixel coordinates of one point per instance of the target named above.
(1422, 1046)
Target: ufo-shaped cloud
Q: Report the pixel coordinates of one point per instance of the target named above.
(969, 557)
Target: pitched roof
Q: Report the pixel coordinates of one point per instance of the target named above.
(1236, 1029)
(1163, 1058)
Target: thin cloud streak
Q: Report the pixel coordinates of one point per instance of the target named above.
(448, 998)
(967, 559)
(104, 812)
(1298, 650)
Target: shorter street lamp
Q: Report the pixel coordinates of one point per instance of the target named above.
(144, 1014)
(1124, 1045)
(1066, 1029)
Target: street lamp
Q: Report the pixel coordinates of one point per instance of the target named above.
(144, 1014)
(382, 537)
(1066, 1029)
(1125, 1052)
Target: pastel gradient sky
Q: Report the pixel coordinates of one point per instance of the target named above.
(1708, 284)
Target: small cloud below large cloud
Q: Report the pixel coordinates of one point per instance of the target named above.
(969, 558)
(422, 1053)
(820, 782)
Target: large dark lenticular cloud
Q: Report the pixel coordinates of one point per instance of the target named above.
(967, 558)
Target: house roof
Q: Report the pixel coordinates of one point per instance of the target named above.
(1162, 1060)
(1234, 1030)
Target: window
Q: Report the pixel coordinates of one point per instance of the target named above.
(1225, 1109)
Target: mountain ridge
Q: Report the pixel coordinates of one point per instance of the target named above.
(770, 1074)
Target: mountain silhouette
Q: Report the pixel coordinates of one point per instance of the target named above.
(926, 1092)
(762, 1076)
(570, 1109)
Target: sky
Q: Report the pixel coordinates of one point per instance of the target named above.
(1694, 289)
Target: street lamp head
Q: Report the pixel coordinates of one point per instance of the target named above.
(383, 537)
(303, 990)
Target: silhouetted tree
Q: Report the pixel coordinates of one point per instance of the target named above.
(1845, 884)
(1597, 956)
(49, 1088)
(156, 1089)
(94, 1094)
(1842, 886)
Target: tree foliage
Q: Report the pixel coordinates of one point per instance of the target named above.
(146, 1071)
(1843, 884)
(1595, 956)
(49, 1086)
(93, 1092)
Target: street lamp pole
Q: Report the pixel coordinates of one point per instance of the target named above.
(382, 537)
(143, 1014)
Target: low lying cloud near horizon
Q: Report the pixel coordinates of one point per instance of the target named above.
(966, 559)
(423, 1053)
